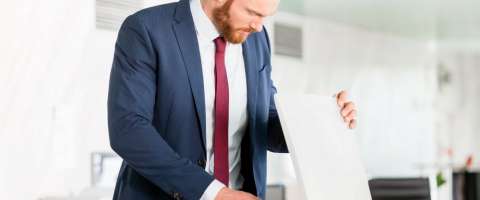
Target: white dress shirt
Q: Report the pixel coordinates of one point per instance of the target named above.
(237, 86)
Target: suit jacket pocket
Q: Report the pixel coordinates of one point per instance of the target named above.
(263, 67)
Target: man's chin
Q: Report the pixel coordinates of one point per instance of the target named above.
(238, 38)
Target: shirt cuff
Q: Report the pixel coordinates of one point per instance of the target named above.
(212, 190)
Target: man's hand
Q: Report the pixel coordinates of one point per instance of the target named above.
(229, 194)
(347, 109)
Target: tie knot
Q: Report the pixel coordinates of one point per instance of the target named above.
(220, 44)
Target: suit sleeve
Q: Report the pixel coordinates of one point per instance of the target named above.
(131, 100)
(276, 139)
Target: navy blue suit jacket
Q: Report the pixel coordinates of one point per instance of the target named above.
(156, 108)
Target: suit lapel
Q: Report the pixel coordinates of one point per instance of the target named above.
(184, 30)
(187, 40)
(251, 65)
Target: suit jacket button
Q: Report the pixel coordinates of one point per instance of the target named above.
(201, 163)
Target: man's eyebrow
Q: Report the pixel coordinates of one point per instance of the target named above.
(256, 13)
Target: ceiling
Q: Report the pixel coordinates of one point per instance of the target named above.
(423, 19)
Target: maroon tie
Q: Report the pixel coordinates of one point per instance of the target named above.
(220, 141)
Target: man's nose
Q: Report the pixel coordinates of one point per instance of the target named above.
(257, 26)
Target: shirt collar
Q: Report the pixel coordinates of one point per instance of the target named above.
(203, 25)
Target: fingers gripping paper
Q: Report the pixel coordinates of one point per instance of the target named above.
(324, 152)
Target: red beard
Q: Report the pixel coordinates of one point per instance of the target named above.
(221, 19)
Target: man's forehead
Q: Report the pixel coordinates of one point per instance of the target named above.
(264, 7)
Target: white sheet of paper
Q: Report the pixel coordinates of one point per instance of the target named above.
(325, 155)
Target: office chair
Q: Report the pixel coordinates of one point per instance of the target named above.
(466, 185)
(400, 189)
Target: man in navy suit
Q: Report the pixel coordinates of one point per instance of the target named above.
(190, 103)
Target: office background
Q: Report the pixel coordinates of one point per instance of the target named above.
(411, 66)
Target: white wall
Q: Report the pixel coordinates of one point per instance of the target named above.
(457, 103)
(53, 72)
(392, 80)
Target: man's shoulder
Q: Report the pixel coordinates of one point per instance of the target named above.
(155, 14)
(260, 39)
